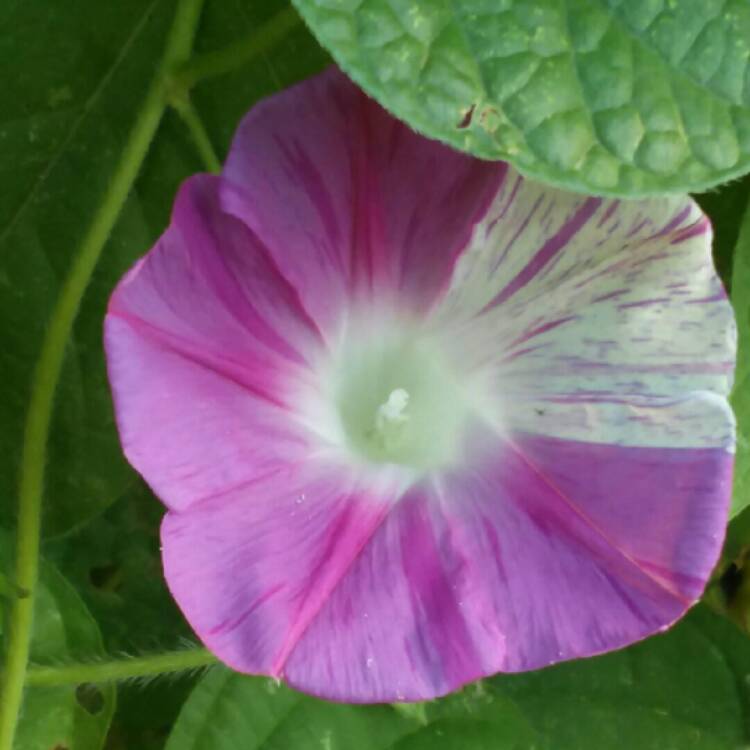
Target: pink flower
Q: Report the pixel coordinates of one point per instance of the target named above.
(416, 419)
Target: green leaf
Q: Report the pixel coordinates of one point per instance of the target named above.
(115, 564)
(741, 393)
(675, 691)
(684, 690)
(228, 711)
(63, 717)
(621, 97)
(728, 640)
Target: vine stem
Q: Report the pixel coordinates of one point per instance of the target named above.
(120, 669)
(184, 107)
(230, 58)
(49, 366)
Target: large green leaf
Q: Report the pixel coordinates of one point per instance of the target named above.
(61, 717)
(685, 690)
(621, 97)
(228, 710)
(741, 393)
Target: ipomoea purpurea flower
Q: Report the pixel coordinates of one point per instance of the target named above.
(416, 419)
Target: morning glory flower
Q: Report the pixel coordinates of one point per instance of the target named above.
(415, 418)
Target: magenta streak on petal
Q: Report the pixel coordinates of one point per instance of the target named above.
(484, 203)
(320, 584)
(696, 230)
(648, 260)
(226, 287)
(601, 398)
(600, 532)
(245, 484)
(637, 227)
(680, 580)
(610, 295)
(446, 647)
(670, 226)
(506, 207)
(607, 215)
(644, 303)
(235, 622)
(316, 188)
(547, 252)
(684, 368)
(720, 296)
(240, 373)
(626, 262)
(515, 355)
(521, 229)
(368, 244)
(539, 330)
(291, 296)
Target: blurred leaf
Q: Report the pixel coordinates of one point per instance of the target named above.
(725, 207)
(602, 96)
(227, 711)
(115, 564)
(725, 638)
(62, 717)
(684, 690)
(675, 691)
(66, 112)
(741, 393)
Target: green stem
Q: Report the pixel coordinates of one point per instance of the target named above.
(49, 366)
(186, 110)
(120, 669)
(231, 57)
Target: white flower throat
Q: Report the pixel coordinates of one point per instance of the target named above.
(398, 399)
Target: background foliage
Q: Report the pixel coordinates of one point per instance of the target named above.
(607, 96)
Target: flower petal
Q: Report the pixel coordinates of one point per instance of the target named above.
(349, 201)
(599, 320)
(251, 569)
(516, 564)
(207, 347)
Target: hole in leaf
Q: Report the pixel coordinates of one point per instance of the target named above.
(731, 581)
(90, 698)
(106, 577)
(466, 119)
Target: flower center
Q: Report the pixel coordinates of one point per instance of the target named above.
(399, 400)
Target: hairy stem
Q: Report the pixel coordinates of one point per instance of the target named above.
(231, 57)
(49, 366)
(120, 669)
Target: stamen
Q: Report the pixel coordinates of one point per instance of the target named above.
(392, 411)
(390, 421)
